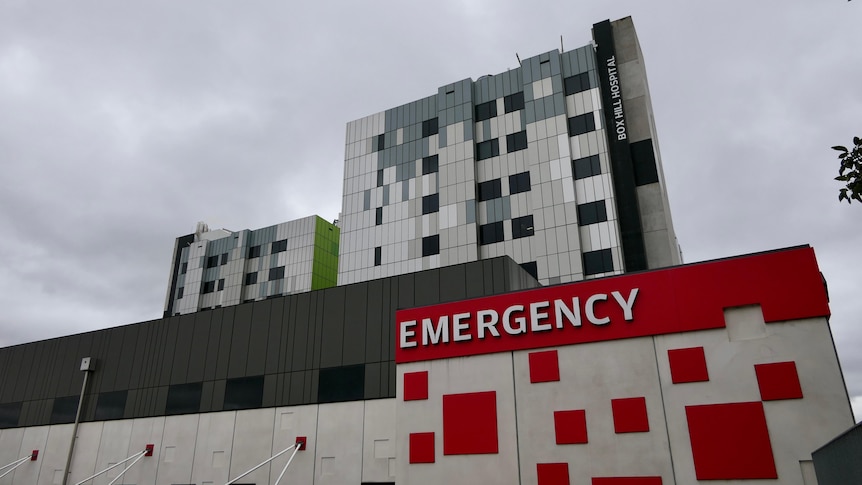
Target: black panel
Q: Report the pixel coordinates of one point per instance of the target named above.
(269, 390)
(64, 410)
(430, 203)
(184, 398)
(160, 401)
(427, 288)
(516, 142)
(185, 335)
(452, 283)
(333, 338)
(218, 394)
(243, 393)
(25, 359)
(491, 233)
(299, 347)
(130, 335)
(522, 227)
(513, 102)
(430, 127)
(387, 317)
(592, 213)
(213, 344)
(576, 84)
(596, 262)
(257, 339)
(131, 403)
(207, 396)
(239, 342)
(485, 111)
(110, 405)
(487, 149)
(473, 280)
(430, 245)
(10, 414)
(372, 381)
(339, 384)
(170, 356)
(531, 268)
(643, 159)
(520, 182)
(200, 329)
(356, 326)
(273, 347)
(315, 332)
(585, 123)
(492, 189)
(297, 388)
(500, 282)
(430, 164)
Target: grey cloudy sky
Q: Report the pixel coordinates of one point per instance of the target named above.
(124, 123)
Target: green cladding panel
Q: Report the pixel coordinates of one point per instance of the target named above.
(324, 272)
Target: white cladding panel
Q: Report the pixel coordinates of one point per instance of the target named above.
(339, 443)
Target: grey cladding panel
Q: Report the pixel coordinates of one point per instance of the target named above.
(198, 346)
(334, 338)
(225, 340)
(273, 347)
(356, 326)
(427, 290)
(213, 344)
(300, 335)
(452, 283)
(372, 315)
(240, 339)
(185, 335)
(256, 363)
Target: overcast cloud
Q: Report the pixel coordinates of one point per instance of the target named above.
(122, 124)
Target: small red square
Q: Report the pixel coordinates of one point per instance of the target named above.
(687, 365)
(544, 366)
(415, 386)
(422, 447)
(627, 481)
(553, 473)
(630, 415)
(778, 381)
(570, 427)
(470, 423)
(300, 442)
(730, 441)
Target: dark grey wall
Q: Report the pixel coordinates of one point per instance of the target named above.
(329, 345)
(840, 461)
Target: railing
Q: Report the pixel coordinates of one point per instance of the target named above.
(15, 464)
(299, 445)
(148, 451)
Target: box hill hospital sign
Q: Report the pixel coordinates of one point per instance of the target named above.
(681, 299)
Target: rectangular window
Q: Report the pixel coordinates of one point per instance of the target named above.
(110, 405)
(251, 278)
(10, 413)
(487, 149)
(491, 189)
(592, 213)
(585, 123)
(430, 165)
(279, 246)
(212, 262)
(223, 259)
(380, 178)
(522, 227)
(254, 252)
(378, 255)
(378, 216)
(184, 267)
(429, 127)
(184, 398)
(207, 287)
(221, 284)
(514, 102)
(338, 384)
(486, 111)
(516, 141)
(430, 203)
(531, 268)
(586, 167)
(64, 410)
(381, 142)
(276, 273)
(491, 233)
(430, 245)
(520, 182)
(600, 261)
(576, 84)
(243, 393)
(180, 292)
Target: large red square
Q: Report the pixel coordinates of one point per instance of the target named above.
(416, 386)
(570, 427)
(422, 447)
(470, 423)
(630, 415)
(626, 480)
(544, 366)
(778, 381)
(687, 365)
(553, 473)
(730, 441)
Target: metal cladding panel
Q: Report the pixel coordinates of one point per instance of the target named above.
(453, 283)
(838, 463)
(276, 316)
(185, 335)
(259, 333)
(197, 347)
(225, 343)
(333, 338)
(239, 341)
(213, 329)
(300, 347)
(370, 299)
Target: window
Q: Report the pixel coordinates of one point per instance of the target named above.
(9, 414)
(251, 278)
(522, 227)
(279, 246)
(64, 410)
(378, 255)
(430, 245)
(381, 142)
(378, 216)
(491, 189)
(243, 393)
(110, 405)
(429, 127)
(487, 149)
(207, 287)
(184, 398)
(520, 182)
(486, 111)
(430, 165)
(576, 84)
(516, 141)
(592, 213)
(380, 178)
(430, 203)
(337, 384)
(586, 167)
(254, 252)
(585, 123)
(221, 284)
(531, 268)
(212, 262)
(491, 233)
(184, 267)
(596, 262)
(223, 259)
(180, 292)
(514, 102)
(276, 273)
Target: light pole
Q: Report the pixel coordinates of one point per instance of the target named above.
(87, 365)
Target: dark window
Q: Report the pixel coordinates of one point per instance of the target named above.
(430, 245)
(243, 393)
(430, 203)
(338, 384)
(251, 278)
(643, 160)
(378, 216)
(491, 189)
(592, 213)
(380, 178)
(224, 258)
(531, 268)
(520, 182)
(491, 233)
(221, 284)
(429, 165)
(64, 410)
(585, 123)
(576, 84)
(516, 141)
(276, 273)
(180, 292)
(381, 141)
(378, 255)
(514, 102)
(429, 127)
(586, 167)
(184, 398)
(184, 267)
(522, 227)
(208, 287)
(279, 246)
(487, 149)
(486, 111)
(600, 261)
(10, 413)
(254, 252)
(212, 261)
(248, 300)
(110, 405)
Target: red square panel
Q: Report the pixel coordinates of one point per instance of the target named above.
(544, 366)
(422, 447)
(630, 415)
(778, 381)
(553, 473)
(627, 481)
(687, 365)
(470, 423)
(730, 441)
(570, 427)
(415, 386)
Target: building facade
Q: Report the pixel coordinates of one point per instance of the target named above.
(554, 163)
